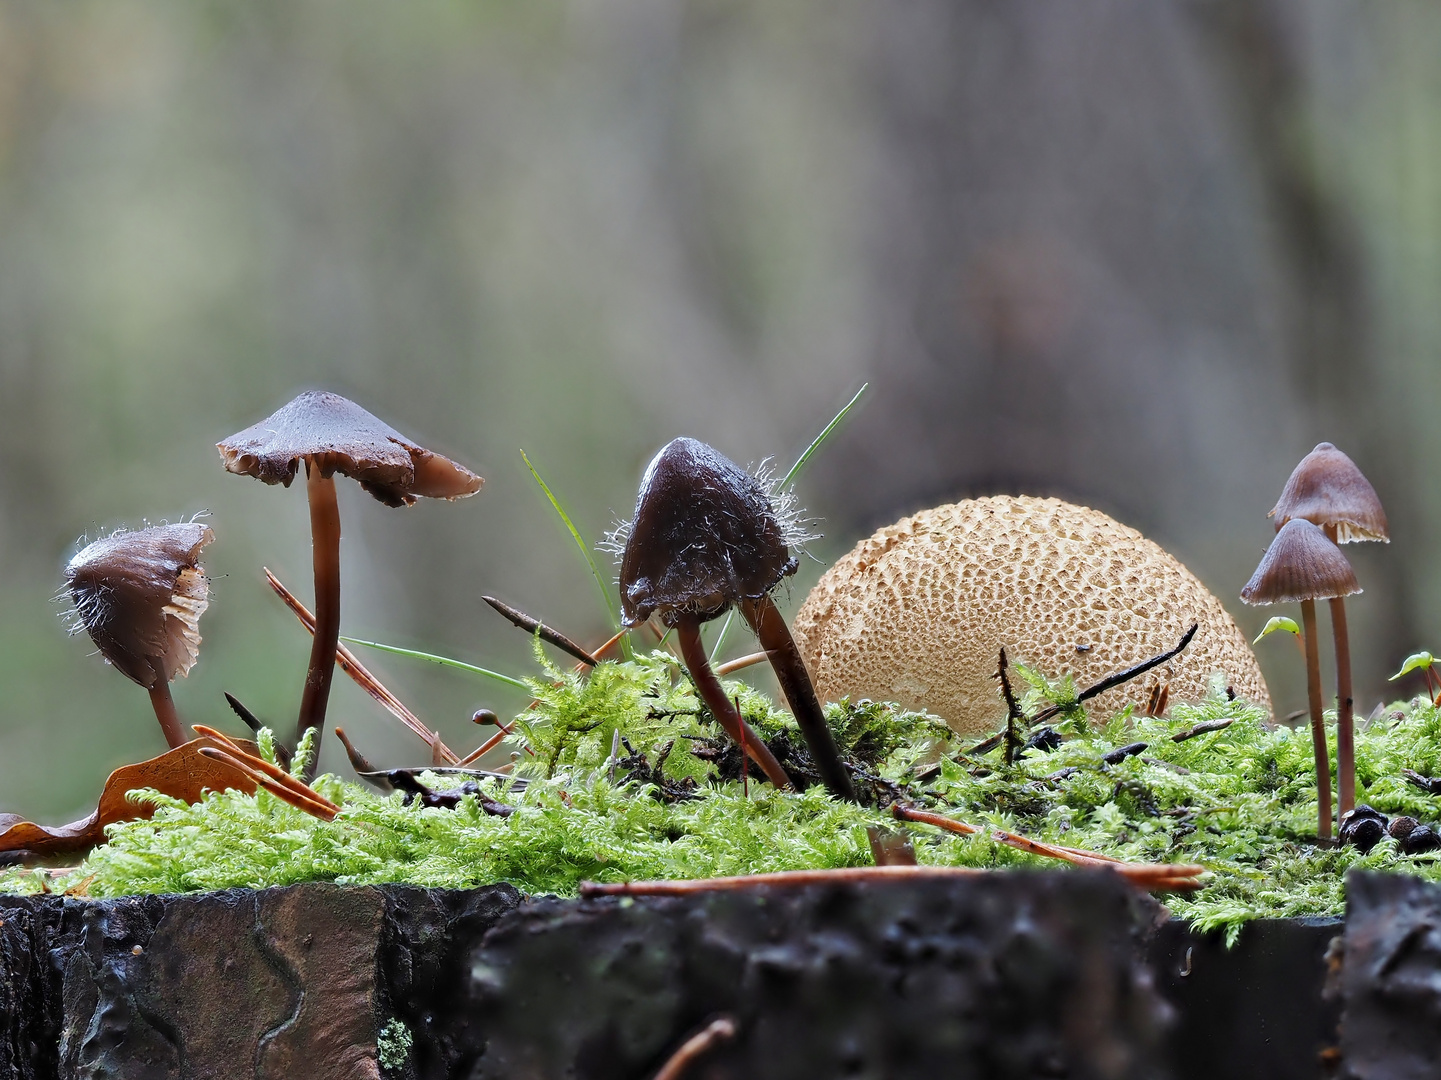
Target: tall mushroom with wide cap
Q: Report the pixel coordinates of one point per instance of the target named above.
(1328, 490)
(1302, 564)
(704, 537)
(140, 595)
(331, 434)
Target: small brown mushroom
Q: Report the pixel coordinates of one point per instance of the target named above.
(1328, 490)
(140, 595)
(331, 434)
(704, 537)
(1302, 564)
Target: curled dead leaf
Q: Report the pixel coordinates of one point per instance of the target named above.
(182, 773)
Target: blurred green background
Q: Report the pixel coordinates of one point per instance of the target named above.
(1141, 255)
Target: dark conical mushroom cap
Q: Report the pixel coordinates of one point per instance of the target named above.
(704, 536)
(1300, 564)
(338, 436)
(1328, 490)
(140, 596)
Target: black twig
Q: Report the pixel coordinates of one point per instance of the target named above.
(1013, 709)
(535, 626)
(1110, 682)
(282, 753)
(1202, 728)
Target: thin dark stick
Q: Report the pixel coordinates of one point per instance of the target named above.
(1013, 709)
(842, 876)
(1202, 728)
(535, 626)
(720, 1030)
(1110, 682)
(253, 722)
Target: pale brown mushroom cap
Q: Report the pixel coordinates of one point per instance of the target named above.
(1301, 564)
(140, 596)
(917, 613)
(337, 435)
(1328, 490)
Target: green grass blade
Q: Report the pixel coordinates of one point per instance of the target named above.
(816, 442)
(720, 638)
(600, 582)
(443, 661)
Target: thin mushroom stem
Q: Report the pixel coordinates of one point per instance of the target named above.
(775, 638)
(325, 552)
(1345, 724)
(165, 712)
(692, 649)
(1318, 725)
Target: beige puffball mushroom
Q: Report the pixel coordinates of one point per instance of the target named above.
(918, 612)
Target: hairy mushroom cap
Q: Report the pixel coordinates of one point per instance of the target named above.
(917, 613)
(704, 535)
(1328, 490)
(140, 595)
(1301, 564)
(337, 435)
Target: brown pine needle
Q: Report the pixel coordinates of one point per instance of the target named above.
(484, 747)
(260, 765)
(749, 660)
(1173, 876)
(323, 810)
(722, 1029)
(351, 665)
(844, 875)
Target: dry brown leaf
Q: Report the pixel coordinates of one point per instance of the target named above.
(182, 773)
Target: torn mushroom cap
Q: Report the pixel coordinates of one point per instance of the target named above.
(337, 435)
(1301, 564)
(704, 536)
(1328, 490)
(140, 596)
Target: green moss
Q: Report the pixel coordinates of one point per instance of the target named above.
(392, 1044)
(1240, 801)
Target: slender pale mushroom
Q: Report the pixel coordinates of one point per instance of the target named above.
(705, 536)
(330, 435)
(1302, 564)
(1329, 491)
(140, 595)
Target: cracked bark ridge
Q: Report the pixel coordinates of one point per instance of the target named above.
(1391, 979)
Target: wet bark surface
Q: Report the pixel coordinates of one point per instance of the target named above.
(1391, 978)
(1025, 975)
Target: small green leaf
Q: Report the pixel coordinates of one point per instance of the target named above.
(1412, 663)
(443, 661)
(1280, 622)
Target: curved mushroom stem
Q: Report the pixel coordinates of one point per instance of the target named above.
(1345, 725)
(692, 651)
(1318, 725)
(165, 712)
(775, 638)
(325, 553)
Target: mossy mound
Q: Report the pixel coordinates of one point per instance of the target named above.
(670, 803)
